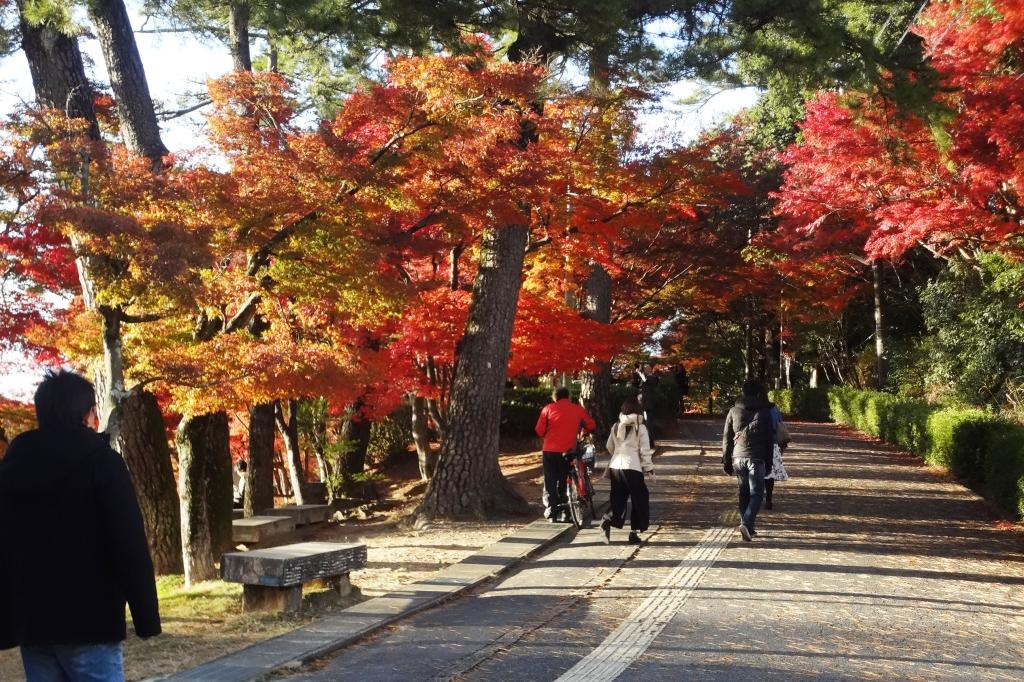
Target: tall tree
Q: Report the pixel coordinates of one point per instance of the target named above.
(127, 78)
(59, 78)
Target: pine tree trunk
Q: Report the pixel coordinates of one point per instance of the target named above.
(238, 35)
(259, 483)
(468, 479)
(143, 444)
(421, 438)
(202, 444)
(595, 394)
(58, 73)
(288, 425)
(881, 361)
(127, 78)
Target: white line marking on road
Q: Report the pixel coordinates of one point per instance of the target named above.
(635, 634)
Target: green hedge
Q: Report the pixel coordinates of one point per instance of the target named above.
(805, 403)
(984, 450)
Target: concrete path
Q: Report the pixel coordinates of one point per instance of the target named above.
(330, 633)
(869, 567)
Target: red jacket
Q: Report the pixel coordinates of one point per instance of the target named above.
(560, 423)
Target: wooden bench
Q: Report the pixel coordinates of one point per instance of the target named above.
(272, 578)
(303, 514)
(261, 530)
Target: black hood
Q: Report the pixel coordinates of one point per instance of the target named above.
(751, 402)
(39, 461)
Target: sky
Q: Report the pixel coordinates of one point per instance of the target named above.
(179, 63)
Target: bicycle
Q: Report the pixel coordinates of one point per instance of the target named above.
(578, 486)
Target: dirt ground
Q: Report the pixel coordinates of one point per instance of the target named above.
(206, 621)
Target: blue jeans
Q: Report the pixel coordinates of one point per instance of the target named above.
(750, 478)
(74, 663)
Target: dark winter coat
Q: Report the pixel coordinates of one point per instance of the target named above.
(647, 387)
(749, 431)
(72, 544)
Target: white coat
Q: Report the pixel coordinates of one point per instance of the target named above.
(632, 451)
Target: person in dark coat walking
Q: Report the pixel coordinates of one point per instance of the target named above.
(748, 442)
(646, 382)
(682, 386)
(74, 548)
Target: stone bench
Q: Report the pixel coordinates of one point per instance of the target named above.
(261, 530)
(272, 578)
(303, 514)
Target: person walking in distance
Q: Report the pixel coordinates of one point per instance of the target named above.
(646, 382)
(747, 443)
(631, 453)
(559, 424)
(74, 548)
(775, 470)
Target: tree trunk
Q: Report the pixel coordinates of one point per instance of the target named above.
(134, 425)
(205, 493)
(220, 484)
(421, 438)
(748, 353)
(143, 444)
(355, 438)
(767, 354)
(259, 478)
(785, 362)
(128, 79)
(595, 394)
(58, 74)
(112, 373)
(468, 478)
(289, 428)
(238, 35)
(881, 361)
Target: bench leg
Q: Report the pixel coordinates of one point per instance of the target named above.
(341, 585)
(262, 598)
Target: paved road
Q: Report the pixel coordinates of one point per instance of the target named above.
(870, 567)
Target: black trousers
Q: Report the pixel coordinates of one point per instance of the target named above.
(555, 471)
(629, 484)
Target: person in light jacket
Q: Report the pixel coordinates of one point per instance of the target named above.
(631, 451)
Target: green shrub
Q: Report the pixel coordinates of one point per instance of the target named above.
(805, 403)
(985, 451)
(390, 437)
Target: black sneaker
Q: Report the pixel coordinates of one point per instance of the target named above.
(634, 539)
(606, 531)
(768, 504)
(745, 532)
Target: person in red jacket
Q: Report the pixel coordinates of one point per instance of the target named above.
(559, 424)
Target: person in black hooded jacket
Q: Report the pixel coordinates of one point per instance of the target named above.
(74, 546)
(748, 441)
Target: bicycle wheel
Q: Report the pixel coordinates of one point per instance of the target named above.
(575, 504)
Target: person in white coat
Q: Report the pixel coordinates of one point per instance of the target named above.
(631, 451)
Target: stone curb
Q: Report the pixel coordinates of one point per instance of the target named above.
(333, 632)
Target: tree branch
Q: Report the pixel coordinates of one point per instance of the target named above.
(244, 314)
